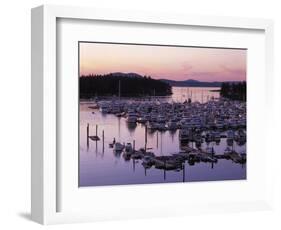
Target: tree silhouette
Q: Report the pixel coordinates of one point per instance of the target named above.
(108, 85)
(234, 91)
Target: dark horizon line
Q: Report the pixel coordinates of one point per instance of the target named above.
(161, 79)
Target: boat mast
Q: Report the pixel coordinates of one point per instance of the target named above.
(119, 89)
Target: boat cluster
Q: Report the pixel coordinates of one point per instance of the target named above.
(175, 161)
(211, 120)
(216, 114)
(198, 136)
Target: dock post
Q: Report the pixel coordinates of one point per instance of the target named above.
(161, 147)
(145, 139)
(134, 164)
(157, 139)
(96, 147)
(183, 172)
(96, 139)
(134, 145)
(146, 134)
(212, 157)
(102, 140)
(88, 135)
(164, 169)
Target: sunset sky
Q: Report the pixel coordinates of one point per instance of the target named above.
(175, 63)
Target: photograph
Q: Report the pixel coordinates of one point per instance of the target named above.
(151, 113)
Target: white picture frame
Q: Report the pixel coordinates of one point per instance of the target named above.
(45, 162)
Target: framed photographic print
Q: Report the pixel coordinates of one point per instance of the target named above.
(154, 125)
(137, 114)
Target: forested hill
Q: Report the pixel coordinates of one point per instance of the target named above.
(131, 85)
(234, 91)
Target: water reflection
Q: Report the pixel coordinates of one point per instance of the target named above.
(131, 127)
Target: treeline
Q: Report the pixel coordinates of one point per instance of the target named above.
(108, 85)
(234, 91)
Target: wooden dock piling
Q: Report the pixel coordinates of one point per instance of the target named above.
(134, 165)
(145, 138)
(96, 147)
(164, 168)
(134, 145)
(88, 135)
(213, 153)
(161, 146)
(157, 139)
(146, 134)
(102, 140)
(183, 172)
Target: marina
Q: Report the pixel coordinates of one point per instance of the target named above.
(192, 135)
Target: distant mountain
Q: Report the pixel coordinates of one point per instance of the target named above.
(192, 83)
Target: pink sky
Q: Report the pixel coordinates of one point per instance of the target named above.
(175, 63)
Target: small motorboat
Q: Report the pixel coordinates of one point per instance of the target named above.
(228, 151)
(128, 148)
(118, 147)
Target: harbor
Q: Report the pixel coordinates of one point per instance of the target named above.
(193, 135)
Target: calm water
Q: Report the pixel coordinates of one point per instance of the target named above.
(200, 94)
(100, 166)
